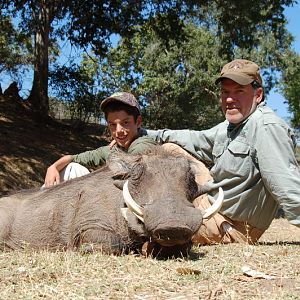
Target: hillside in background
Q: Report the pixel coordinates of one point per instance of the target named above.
(27, 148)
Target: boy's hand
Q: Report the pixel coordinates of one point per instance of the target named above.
(52, 176)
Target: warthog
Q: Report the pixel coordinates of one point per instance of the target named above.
(95, 212)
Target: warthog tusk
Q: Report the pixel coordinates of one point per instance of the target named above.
(131, 204)
(211, 211)
(124, 212)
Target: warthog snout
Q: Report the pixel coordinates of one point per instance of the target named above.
(169, 235)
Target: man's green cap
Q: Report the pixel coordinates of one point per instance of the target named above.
(241, 71)
(123, 97)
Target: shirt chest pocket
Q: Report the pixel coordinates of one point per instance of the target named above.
(233, 161)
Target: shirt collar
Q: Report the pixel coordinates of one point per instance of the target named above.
(231, 127)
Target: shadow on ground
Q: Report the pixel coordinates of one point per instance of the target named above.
(28, 147)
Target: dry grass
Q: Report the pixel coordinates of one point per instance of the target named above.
(71, 275)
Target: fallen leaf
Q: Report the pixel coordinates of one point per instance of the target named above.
(21, 269)
(188, 271)
(256, 274)
(247, 253)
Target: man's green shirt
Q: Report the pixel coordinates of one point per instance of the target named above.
(254, 162)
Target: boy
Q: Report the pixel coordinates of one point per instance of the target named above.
(123, 116)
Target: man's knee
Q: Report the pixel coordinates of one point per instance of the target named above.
(217, 230)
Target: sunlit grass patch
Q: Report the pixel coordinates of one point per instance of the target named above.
(210, 272)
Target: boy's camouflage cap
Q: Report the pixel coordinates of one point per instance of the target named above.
(123, 97)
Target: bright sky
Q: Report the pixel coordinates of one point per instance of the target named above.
(275, 100)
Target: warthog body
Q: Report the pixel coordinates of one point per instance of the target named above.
(89, 209)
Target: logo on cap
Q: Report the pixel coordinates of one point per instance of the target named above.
(117, 94)
(235, 66)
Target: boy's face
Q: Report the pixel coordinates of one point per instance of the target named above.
(123, 128)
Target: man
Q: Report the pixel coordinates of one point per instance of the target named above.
(123, 116)
(251, 155)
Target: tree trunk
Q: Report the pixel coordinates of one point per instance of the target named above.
(39, 93)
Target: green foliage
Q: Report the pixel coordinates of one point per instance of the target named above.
(174, 75)
(74, 85)
(291, 86)
(170, 50)
(177, 83)
(175, 80)
(298, 154)
(15, 47)
(238, 22)
(90, 23)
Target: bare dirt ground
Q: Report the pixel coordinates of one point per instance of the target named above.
(27, 148)
(210, 272)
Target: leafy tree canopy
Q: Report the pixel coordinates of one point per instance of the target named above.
(174, 84)
(75, 86)
(290, 86)
(15, 47)
(182, 45)
(175, 80)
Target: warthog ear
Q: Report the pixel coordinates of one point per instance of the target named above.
(121, 164)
